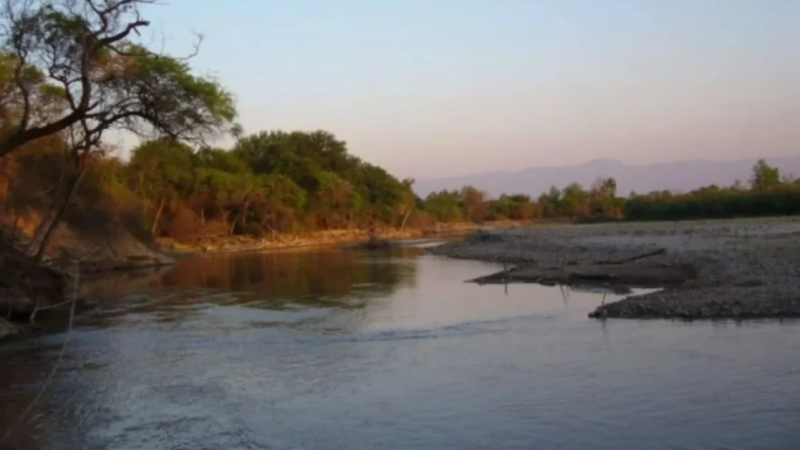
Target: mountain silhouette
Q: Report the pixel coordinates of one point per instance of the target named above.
(679, 176)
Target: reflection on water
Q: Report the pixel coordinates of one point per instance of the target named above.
(341, 349)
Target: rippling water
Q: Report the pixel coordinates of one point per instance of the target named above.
(346, 350)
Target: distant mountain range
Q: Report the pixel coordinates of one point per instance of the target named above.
(678, 176)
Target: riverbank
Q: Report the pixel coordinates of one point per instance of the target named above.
(26, 288)
(737, 269)
(235, 244)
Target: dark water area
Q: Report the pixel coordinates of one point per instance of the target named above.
(391, 350)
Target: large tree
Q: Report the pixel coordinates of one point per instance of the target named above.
(83, 50)
(74, 71)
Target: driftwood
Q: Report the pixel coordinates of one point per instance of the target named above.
(593, 276)
(633, 258)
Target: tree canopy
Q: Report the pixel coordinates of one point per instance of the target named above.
(71, 65)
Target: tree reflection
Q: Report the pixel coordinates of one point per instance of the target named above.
(275, 280)
(163, 300)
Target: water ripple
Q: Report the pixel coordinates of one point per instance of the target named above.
(334, 352)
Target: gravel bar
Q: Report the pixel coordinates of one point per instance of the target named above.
(720, 269)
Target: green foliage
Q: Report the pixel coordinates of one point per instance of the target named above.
(269, 182)
(163, 92)
(381, 191)
(765, 177)
(161, 168)
(573, 201)
(445, 206)
(551, 202)
(64, 66)
(513, 207)
(769, 196)
(284, 190)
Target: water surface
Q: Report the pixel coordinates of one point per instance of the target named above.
(349, 350)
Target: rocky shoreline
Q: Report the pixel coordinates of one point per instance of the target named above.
(725, 269)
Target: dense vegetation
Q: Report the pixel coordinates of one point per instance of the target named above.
(69, 75)
(769, 194)
(268, 183)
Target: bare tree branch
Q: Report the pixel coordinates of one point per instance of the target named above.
(23, 30)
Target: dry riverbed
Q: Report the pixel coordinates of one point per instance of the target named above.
(743, 268)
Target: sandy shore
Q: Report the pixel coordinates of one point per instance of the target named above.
(744, 268)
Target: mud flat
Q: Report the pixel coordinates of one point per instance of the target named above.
(722, 269)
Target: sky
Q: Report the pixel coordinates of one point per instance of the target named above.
(437, 88)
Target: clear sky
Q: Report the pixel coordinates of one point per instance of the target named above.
(430, 88)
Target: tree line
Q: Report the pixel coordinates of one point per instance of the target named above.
(769, 193)
(71, 75)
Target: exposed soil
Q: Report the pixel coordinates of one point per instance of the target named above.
(743, 268)
(32, 293)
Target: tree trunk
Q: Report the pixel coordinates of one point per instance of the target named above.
(157, 218)
(15, 227)
(242, 217)
(46, 218)
(59, 214)
(232, 226)
(405, 218)
(246, 206)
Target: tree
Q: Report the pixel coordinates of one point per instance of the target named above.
(336, 202)
(382, 192)
(81, 49)
(604, 197)
(79, 53)
(409, 200)
(521, 208)
(279, 203)
(475, 205)
(161, 171)
(445, 206)
(277, 152)
(551, 202)
(574, 200)
(765, 177)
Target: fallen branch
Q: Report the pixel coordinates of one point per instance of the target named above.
(44, 308)
(633, 258)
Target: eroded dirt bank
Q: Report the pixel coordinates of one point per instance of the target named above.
(744, 268)
(31, 290)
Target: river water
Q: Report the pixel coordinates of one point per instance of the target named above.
(346, 350)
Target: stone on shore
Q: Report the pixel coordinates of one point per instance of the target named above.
(747, 302)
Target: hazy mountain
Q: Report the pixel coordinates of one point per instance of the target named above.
(676, 176)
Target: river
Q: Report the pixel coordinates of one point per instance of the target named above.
(343, 350)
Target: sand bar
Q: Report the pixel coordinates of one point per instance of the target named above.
(741, 269)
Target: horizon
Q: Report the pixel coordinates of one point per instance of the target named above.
(617, 162)
(414, 86)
